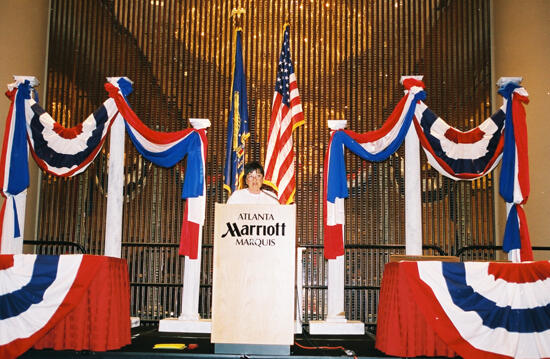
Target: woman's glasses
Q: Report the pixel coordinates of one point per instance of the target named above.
(254, 175)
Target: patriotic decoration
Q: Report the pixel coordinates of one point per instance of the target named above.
(460, 155)
(514, 176)
(453, 153)
(237, 124)
(377, 146)
(286, 115)
(68, 152)
(166, 149)
(481, 310)
(472, 154)
(36, 292)
(14, 174)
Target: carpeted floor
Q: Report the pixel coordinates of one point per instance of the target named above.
(199, 346)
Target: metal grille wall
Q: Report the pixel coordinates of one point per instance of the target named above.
(348, 57)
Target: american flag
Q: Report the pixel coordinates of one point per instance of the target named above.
(286, 115)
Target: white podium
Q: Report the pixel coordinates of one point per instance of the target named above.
(253, 282)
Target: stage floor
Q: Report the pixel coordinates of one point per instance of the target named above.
(145, 338)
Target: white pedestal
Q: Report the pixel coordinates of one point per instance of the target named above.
(325, 327)
(185, 326)
(297, 327)
(134, 322)
(336, 322)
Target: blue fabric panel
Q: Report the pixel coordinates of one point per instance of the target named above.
(19, 162)
(191, 146)
(507, 172)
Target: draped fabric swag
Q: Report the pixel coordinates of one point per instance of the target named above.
(453, 153)
(67, 152)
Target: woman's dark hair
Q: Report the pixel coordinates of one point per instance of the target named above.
(253, 166)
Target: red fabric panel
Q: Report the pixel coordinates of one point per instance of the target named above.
(402, 329)
(131, 117)
(101, 320)
(334, 241)
(5, 143)
(410, 82)
(6, 261)
(471, 136)
(68, 133)
(382, 131)
(520, 272)
(2, 212)
(189, 238)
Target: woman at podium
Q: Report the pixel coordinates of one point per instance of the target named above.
(253, 193)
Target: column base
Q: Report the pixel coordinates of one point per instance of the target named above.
(297, 327)
(134, 322)
(349, 327)
(185, 326)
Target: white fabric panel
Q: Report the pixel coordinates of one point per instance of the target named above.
(11, 245)
(150, 146)
(18, 275)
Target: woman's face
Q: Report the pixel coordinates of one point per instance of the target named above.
(254, 181)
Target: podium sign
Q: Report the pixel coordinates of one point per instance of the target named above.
(253, 284)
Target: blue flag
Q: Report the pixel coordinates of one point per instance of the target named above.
(237, 124)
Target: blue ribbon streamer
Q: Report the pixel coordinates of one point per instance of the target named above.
(512, 238)
(507, 173)
(19, 162)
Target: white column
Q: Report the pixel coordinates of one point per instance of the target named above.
(335, 300)
(336, 322)
(413, 201)
(115, 196)
(299, 297)
(191, 285)
(190, 321)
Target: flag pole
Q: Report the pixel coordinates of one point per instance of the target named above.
(237, 123)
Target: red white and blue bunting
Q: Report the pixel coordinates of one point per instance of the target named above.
(166, 149)
(373, 146)
(35, 293)
(453, 153)
(470, 155)
(14, 173)
(460, 155)
(69, 151)
(485, 310)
